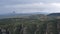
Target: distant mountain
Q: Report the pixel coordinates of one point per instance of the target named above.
(12, 15)
(39, 13)
(54, 14)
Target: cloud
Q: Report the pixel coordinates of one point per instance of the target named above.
(27, 6)
(35, 7)
(13, 2)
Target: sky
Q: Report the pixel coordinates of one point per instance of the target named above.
(29, 6)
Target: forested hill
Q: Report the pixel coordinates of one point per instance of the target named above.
(35, 24)
(54, 14)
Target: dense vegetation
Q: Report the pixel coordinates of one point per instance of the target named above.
(32, 25)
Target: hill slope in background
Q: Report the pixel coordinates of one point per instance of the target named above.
(54, 14)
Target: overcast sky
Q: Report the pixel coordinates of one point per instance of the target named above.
(28, 6)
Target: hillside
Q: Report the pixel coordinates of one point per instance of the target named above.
(54, 14)
(34, 24)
